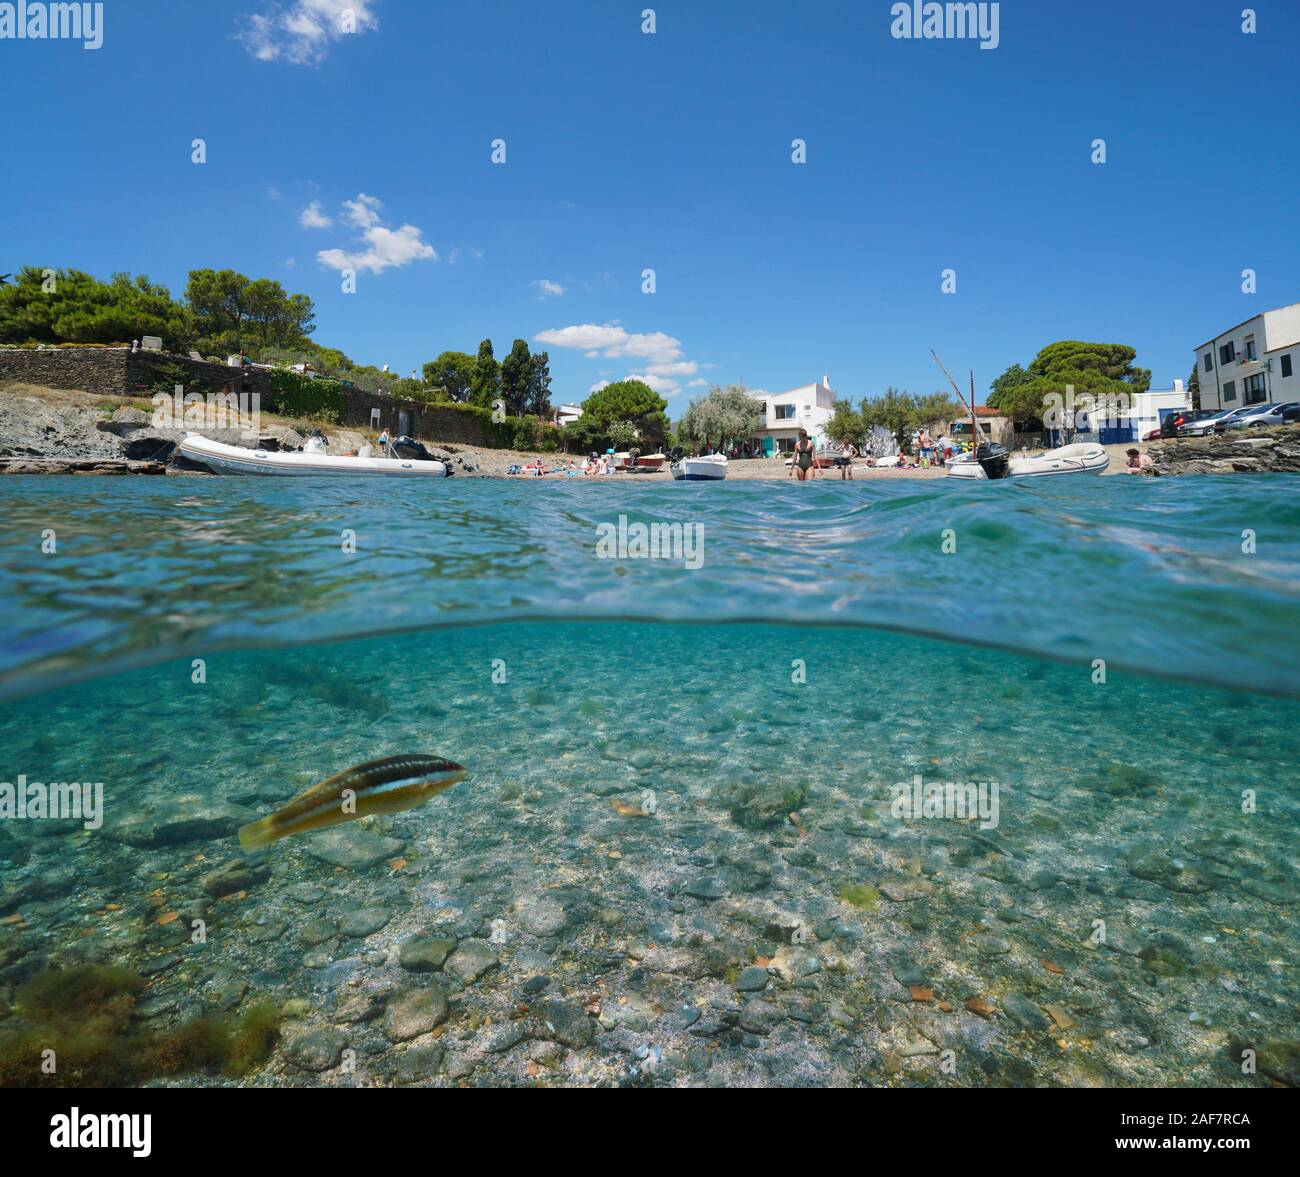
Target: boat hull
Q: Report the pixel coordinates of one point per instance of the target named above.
(707, 469)
(1070, 459)
(232, 459)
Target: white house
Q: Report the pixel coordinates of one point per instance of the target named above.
(808, 407)
(1136, 414)
(567, 414)
(1148, 409)
(1256, 362)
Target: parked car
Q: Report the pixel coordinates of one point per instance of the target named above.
(1228, 420)
(1152, 434)
(1259, 415)
(1172, 425)
(1291, 415)
(1204, 426)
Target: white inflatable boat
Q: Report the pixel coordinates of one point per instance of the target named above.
(1083, 458)
(709, 468)
(233, 459)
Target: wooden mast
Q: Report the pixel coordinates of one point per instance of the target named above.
(974, 421)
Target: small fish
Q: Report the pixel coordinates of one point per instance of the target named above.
(378, 786)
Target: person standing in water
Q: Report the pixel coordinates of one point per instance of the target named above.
(803, 457)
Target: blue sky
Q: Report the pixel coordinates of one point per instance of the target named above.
(672, 151)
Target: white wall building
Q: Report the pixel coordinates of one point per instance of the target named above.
(1256, 362)
(1149, 408)
(808, 407)
(567, 414)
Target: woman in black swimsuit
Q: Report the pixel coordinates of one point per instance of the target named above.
(803, 456)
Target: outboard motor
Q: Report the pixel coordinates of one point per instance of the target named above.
(408, 447)
(994, 458)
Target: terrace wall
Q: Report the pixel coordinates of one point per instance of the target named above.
(117, 371)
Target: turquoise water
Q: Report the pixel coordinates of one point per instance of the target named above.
(676, 860)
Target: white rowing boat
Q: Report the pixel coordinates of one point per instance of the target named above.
(233, 459)
(706, 468)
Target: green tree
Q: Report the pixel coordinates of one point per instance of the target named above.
(70, 306)
(846, 424)
(1091, 373)
(516, 369)
(452, 372)
(723, 416)
(1194, 387)
(235, 313)
(633, 401)
(486, 386)
(537, 399)
(1004, 385)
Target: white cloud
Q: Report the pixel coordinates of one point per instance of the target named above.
(302, 31)
(662, 354)
(598, 386)
(315, 217)
(383, 247)
(549, 288)
(362, 212)
(660, 384)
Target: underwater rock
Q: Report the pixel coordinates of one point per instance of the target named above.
(1155, 864)
(759, 805)
(232, 877)
(706, 889)
(760, 1017)
(568, 1022)
(360, 1007)
(425, 954)
(316, 1049)
(752, 980)
(1279, 1058)
(420, 1063)
(415, 1012)
(317, 931)
(365, 921)
(352, 848)
(540, 914)
(471, 960)
(793, 963)
(180, 819)
(1024, 1011)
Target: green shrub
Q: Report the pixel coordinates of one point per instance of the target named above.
(296, 395)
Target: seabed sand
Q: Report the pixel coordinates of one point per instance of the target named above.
(1125, 924)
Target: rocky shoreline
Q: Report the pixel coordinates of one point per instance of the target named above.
(1257, 451)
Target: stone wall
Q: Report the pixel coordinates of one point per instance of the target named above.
(431, 422)
(117, 372)
(99, 370)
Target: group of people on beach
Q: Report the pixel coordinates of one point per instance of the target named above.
(928, 452)
(596, 465)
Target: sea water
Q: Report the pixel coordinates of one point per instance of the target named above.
(689, 850)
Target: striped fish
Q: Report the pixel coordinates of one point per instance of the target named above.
(378, 786)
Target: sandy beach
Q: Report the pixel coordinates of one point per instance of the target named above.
(47, 425)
